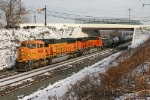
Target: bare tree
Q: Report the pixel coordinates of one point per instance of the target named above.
(12, 12)
(26, 16)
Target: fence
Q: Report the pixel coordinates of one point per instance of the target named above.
(106, 21)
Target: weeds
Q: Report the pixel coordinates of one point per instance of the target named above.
(131, 76)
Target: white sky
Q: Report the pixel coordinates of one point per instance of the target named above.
(94, 8)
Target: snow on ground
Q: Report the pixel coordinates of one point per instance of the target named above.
(140, 36)
(60, 87)
(11, 39)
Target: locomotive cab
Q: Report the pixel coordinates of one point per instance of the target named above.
(30, 51)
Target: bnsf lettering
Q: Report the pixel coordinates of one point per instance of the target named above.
(40, 51)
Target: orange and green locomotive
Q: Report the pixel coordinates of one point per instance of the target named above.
(36, 53)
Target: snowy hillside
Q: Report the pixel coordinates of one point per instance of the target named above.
(59, 88)
(11, 39)
(140, 36)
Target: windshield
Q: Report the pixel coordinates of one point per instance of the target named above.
(31, 46)
(23, 45)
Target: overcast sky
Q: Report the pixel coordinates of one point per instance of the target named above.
(64, 11)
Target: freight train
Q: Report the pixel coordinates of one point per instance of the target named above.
(37, 53)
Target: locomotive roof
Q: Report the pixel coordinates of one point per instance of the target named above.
(86, 38)
(52, 41)
(33, 41)
(92, 38)
(68, 40)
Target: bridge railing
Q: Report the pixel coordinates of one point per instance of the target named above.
(106, 21)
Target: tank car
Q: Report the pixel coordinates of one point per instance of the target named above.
(115, 40)
(107, 42)
(110, 42)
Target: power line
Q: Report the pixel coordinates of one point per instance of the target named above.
(81, 10)
(73, 16)
(135, 5)
(129, 13)
(139, 8)
(145, 4)
(131, 3)
(68, 15)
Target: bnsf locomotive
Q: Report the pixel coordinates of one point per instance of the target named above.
(36, 53)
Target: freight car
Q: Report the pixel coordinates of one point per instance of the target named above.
(125, 36)
(110, 42)
(121, 37)
(114, 33)
(36, 53)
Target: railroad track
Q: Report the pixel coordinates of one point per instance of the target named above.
(13, 83)
(7, 74)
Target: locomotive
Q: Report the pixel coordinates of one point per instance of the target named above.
(36, 53)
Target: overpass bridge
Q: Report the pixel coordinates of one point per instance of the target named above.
(85, 29)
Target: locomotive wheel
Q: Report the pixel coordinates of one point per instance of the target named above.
(49, 61)
(26, 67)
(88, 51)
(99, 48)
(75, 55)
(35, 65)
(84, 53)
(71, 56)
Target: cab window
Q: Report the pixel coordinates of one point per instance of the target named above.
(40, 45)
(23, 45)
(31, 46)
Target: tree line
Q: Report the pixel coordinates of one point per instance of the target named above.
(12, 13)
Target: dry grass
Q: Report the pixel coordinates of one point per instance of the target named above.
(131, 76)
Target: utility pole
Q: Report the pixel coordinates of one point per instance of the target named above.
(129, 13)
(40, 10)
(20, 11)
(34, 18)
(45, 16)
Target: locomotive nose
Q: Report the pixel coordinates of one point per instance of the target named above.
(22, 54)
